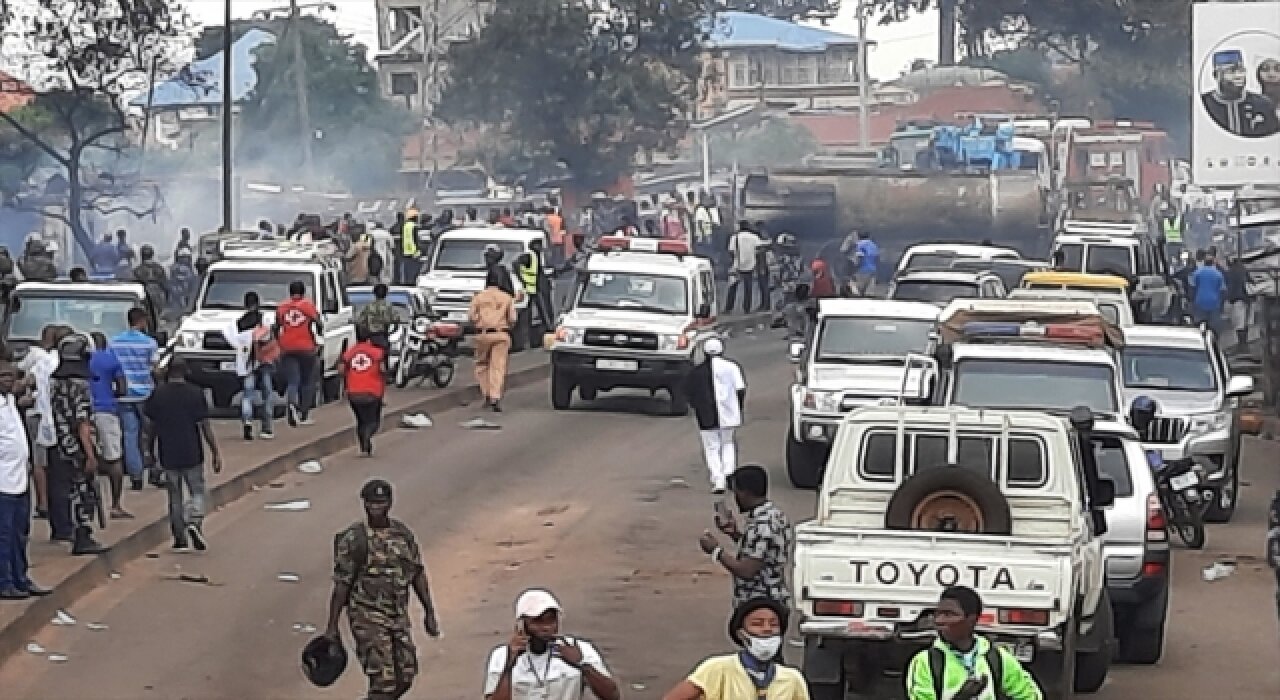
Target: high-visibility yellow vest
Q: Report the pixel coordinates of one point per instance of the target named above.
(409, 239)
(1173, 230)
(529, 273)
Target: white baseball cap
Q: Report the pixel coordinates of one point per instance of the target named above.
(713, 346)
(534, 602)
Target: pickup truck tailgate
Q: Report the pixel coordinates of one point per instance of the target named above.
(907, 570)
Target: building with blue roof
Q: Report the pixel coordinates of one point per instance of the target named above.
(752, 58)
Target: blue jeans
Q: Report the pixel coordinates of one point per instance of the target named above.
(131, 426)
(258, 382)
(15, 530)
(300, 381)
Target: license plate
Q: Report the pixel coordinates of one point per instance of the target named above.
(1024, 652)
(457, 316)
(1182, 482)
(227, 366)
(618, 365)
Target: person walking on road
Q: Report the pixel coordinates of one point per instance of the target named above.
(757, 626)
(364, 366)
(493, 313)
(866, 264)
(73, 460)
(539, 663)
(760, 567)
(137, 353)
(257, 352)
(961, 665)
(378, 317)
(178, 418)
(106, 384)
(375, 563)
(1208, 289)
(15, 494)
(297, 327)
(743, 246)
(717, 392)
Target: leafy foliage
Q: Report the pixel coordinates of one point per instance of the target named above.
(90, 54)
(587, 90)
(19, 156)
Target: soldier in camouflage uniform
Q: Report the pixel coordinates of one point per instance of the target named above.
(378, 318)
(375, 564)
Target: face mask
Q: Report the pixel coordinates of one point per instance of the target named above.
(764, 648)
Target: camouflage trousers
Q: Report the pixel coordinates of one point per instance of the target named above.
(387, 655)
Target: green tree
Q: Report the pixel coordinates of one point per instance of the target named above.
(90, 54)
(355, 135)
(584, 90)
(19, 155)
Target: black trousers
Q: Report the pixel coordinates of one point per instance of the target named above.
(61, 475)
(368, 412)
(747, 281)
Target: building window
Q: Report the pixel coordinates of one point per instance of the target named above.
(739, 74)
(404, 84)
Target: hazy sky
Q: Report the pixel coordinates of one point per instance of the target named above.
(898, 44)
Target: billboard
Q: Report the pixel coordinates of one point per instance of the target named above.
(1235, 94)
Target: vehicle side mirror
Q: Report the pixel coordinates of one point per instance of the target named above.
(1105, 493)
(1240, 386)
(795, 352)
(704, 311)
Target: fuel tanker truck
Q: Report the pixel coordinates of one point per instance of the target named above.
(932, 183)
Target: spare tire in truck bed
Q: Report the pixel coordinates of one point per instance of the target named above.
(949, 499)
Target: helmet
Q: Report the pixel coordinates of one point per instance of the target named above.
(1141, 412)
(323, 661)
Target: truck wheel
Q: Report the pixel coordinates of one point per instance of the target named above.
(949, 499)
(1092, 667)
(520, 333)
(803, 466)
(1142, 635)
(561, 391)
(679, 401)
(1224, 499)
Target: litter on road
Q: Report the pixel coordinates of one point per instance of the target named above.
(416, 420)
(34, 648)
(287, 577)
(63, 619)
(304, 627)
(57, 658)
(310, 466)
(1218, 570)
(96, 626)
(480, 424)
(296, 504)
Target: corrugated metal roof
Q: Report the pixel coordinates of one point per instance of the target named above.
(200, 83)
(737, 30)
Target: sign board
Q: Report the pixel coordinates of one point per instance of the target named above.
(1236, 94)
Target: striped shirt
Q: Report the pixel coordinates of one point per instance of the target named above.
(138, 353)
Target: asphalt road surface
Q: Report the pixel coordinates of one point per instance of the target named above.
(603, 505)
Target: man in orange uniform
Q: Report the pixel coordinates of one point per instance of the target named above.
(297, 325)
(364, 365)
(493, 312)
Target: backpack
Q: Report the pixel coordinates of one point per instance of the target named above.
(375, 263)
(938, 665)
(265, 349)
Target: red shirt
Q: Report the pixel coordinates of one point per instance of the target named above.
(294, 318)
(363, 366)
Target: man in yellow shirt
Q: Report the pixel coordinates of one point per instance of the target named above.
(753, 673)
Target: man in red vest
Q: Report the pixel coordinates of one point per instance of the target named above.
(297, 326)
(365, 366)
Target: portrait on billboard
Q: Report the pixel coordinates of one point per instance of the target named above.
(1236, 103)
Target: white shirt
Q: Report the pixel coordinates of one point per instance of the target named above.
(242, 343)
(743, 245)
(13, 448)
(41, 364)
(727, 378)
(544, 676)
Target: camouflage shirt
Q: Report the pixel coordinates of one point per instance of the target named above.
(379, 593)
(72, 407)
(377, 316)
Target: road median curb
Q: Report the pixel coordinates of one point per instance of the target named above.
(93, 571)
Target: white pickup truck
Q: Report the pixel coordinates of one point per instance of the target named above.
(916, 499)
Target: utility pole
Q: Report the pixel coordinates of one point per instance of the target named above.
(300, 84)
(864, 125)
(228, 222)
(946, 32)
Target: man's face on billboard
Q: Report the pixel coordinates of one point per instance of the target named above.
(1232, 78)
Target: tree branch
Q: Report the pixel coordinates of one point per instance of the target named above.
(33, 138)
(42, 212)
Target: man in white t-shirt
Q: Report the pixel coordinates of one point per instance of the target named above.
(717, 392)
(541, 664)
(15, 494)
(743, 247)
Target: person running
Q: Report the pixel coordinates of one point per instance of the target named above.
(961, 665)
(106, 384)
(718, 393)
(178, 418)
(364, 367)
(297, 327)
(539, 663)
(375, 563)
(493, 312)
(257, 353)
(757, 626)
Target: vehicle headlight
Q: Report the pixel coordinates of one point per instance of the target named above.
(824, 401)
(672, 343)
(421, 325)
(570, 335)
(189, 339)
(1208, 423)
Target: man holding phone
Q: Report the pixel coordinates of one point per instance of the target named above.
(541, 664)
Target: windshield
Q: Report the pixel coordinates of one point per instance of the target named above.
(1034, 384)
(842, 338)
(463, 254)
(630, 290)
(1109, 260)
(1072, 256)
(399, 302)
(926, 261)
(935, 292)
(226, 288)
(1028, 160)
(1168, 369)
(108, 314)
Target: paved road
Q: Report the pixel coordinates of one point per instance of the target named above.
(607, 520)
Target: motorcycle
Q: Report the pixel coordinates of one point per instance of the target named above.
(1178, 484)
(428, 349)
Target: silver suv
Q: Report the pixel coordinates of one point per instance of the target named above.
(1185, 373)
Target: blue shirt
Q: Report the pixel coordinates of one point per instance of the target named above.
(1209, 285)
(868, 257)
(104, 368)
(137, 352)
